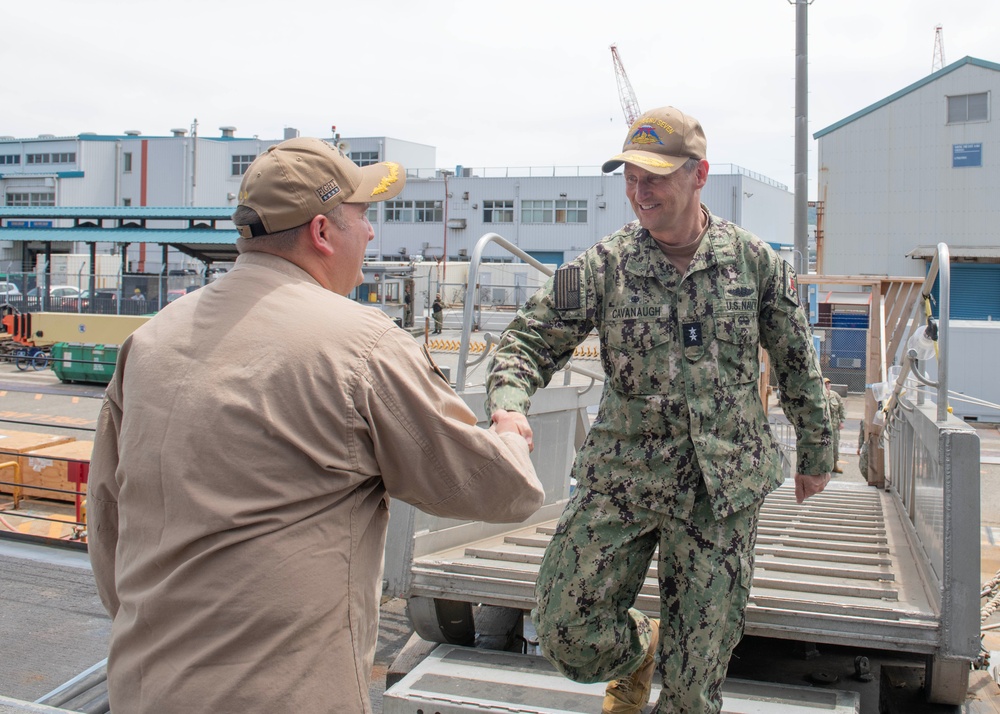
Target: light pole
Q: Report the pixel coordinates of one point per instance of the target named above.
(801, 137)
(444, 250)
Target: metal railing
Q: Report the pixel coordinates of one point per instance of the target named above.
(934, 475)
(472, 289)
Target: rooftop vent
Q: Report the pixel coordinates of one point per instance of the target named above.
(227, 131)
(178, 132)
(291, 133)
(46, 136)
(132, 132)
(6, 138)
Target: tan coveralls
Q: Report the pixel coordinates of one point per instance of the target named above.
(238, 492)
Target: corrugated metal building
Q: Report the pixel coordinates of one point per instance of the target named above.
(553, 213)
(921, 166)
(918, 168)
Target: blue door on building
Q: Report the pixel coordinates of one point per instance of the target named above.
(975, 292)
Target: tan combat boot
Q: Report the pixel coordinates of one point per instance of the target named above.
(630, 695)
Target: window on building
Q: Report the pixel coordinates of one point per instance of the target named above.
(498, 211)
(571, 211)
(372, 213)
(428, 211)
(414, 211)
(68, 157)
(968, 107)
(126, 201)
(127, 162)
(241, 162)
(45, 198)
(364, 158)
(536, 211)
(561, 211)
(399, 211)
(10, 159)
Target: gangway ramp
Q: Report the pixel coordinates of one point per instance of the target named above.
(456, 680)
(837, 569)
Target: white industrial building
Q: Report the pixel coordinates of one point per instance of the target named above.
(918, 168)
(552, 213)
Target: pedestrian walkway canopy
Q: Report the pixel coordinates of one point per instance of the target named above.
(205, 233)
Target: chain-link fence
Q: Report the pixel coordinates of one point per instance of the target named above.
(115, 294)
(843, 354)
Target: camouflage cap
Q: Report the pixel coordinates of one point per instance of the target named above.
(300, 178)
(660, 141)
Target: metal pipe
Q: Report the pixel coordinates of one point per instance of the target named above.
(944, 300)
(76, 686)
(470, 292)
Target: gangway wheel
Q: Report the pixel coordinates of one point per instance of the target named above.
(446, 621)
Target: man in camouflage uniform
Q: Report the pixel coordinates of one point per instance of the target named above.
(863, 451)
(837, 416)
(680, 455)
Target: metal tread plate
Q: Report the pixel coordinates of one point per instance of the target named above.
(454, 680)
(835, 569)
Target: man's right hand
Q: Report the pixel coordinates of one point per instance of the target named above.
(513, 422)
(806, 486)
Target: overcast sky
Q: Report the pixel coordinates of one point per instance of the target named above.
(514, 83)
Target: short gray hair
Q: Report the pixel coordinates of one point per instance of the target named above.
(280, 242)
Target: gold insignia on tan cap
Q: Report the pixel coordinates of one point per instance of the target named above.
(387, 181)
(647, 160)
(661, 141)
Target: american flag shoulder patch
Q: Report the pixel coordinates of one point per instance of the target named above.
(567, 288)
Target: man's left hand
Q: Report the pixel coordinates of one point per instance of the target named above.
(806, 486)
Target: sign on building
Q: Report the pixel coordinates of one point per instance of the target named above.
(964, 155)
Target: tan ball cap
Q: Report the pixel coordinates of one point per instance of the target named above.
(660, 141)
(298, 179)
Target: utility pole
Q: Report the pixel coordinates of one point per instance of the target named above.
(445, 173)
(801, 226)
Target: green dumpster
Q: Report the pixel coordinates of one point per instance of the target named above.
(82, 362)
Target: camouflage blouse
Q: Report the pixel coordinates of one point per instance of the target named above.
(681, 358)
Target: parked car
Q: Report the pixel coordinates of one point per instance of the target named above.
(102, 301)
(9, 290)
(65, 297)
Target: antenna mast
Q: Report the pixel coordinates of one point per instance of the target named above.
(938, 61)
(625, 93)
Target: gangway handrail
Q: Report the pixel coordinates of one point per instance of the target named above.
(940, 265)
(933, 458)
(470, 294)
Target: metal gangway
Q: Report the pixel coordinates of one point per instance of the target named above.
(892, 568)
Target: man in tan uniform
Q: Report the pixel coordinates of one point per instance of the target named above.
(251, 436)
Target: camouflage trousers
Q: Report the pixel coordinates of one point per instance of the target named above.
(594, 569)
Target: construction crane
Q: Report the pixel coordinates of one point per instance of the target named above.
(625, 93)
(938, 61)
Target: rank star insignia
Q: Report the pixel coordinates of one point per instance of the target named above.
(692, 334)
